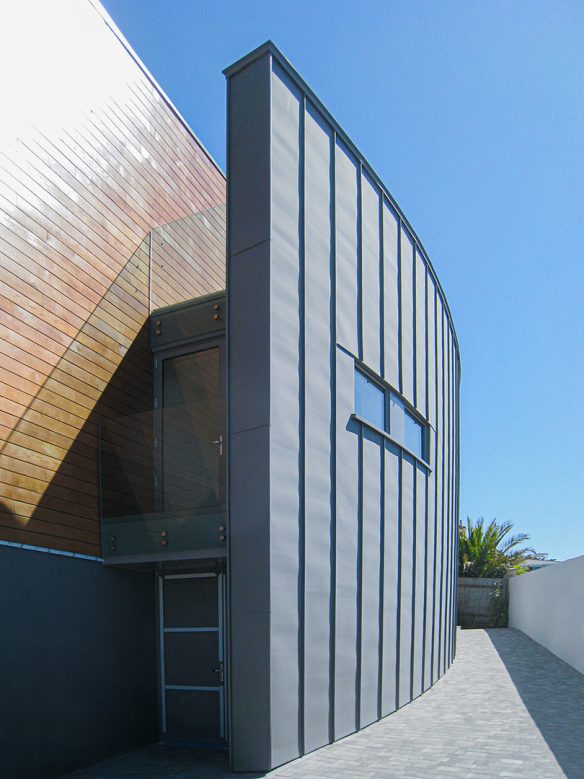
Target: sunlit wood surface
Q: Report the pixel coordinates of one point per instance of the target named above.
(79, 194)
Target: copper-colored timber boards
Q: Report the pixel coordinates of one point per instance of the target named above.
(76, 207)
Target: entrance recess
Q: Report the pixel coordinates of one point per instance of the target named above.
(192, 657)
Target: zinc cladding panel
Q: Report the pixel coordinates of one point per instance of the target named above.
(370, 275)
(420, 297)
(285, 417)
(454, 471)
(249, 174)
(430, 579)
(420, 581)
(451, 517)
(371, 518)
(446, 496)
(250, 599)
(406, 579)
(317, 428)
(440, 584)
(391, 345)
(248, 324)
(390, 578)
(431, 349)
(407, 314)
(346, 253)
(346, 564)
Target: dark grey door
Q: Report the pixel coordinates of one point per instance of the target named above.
(192, 657)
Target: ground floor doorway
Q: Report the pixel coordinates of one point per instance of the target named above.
(192, 658)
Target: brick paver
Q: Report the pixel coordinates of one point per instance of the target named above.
(506, 708)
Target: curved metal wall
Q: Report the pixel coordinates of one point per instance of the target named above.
(342, 544)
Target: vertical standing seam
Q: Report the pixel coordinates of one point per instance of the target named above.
(427, 478)
(359, 583)
(228, 657)
(381, 290)
(454, 524)
(414, 575)
(381, 578)
(427, 344)
(443, 580)
(435, 477)
(425, 604)
(414, 325)
(270, 94)
(457, 481)
(302, 421)
(382, 463)
(440, 509)
(333, 434)
(400, 371)
(448, 510)
(399, 577)
(360, 259)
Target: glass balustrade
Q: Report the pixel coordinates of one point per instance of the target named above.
(162, 486)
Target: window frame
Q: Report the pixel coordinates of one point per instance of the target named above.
(372, 380)
(387, 431)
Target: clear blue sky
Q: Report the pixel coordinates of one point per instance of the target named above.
(472, 113)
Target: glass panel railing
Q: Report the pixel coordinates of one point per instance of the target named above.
(188, 257)
(162, 484)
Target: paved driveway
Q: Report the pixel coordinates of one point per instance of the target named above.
(507, 708)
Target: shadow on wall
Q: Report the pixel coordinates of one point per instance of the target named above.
(6, 512)
(553, 694)
(70, 500)
(129, 392)
(49, 459)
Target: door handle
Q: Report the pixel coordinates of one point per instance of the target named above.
(219, 670)
(219, 443)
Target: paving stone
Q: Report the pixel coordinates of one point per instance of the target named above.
(507, 708)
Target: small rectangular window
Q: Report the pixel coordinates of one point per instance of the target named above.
(369, 400)
(386, 410)
(414, 435)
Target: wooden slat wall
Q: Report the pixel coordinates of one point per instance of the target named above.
(78, 200)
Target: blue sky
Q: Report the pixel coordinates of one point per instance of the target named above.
(472, 113)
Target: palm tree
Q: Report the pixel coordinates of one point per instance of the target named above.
(489, 551)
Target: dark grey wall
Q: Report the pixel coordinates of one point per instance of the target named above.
(77, 662)
(342, 545)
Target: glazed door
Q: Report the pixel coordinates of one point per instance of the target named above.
(192, 422)
(192, 655)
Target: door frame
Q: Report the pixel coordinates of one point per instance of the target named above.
(221, 688)
(198, 345)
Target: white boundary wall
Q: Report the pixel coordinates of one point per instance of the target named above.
(548, 605)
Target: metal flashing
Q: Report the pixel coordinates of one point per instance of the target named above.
(48, 550)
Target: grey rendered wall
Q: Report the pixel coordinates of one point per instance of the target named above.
(77, 663)
(342, 544)
(547, 604)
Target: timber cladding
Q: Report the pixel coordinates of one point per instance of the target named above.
(103, 217)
